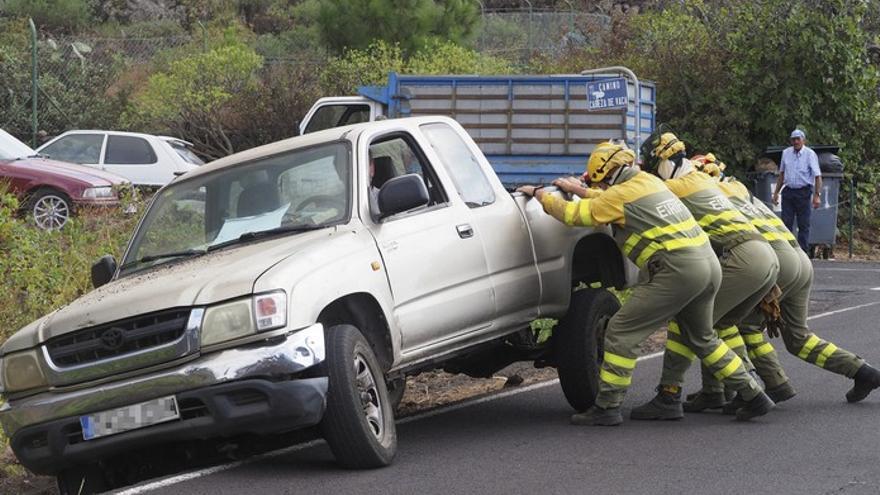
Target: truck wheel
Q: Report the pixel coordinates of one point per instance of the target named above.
(579, 340)
(359, 422)
(83, 480)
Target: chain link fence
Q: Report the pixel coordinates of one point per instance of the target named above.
(520, 34)
(78, 79)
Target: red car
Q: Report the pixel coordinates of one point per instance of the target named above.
(51, 191)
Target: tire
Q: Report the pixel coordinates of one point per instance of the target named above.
(83, 480)
(359, 422)
(579, 338)
(49, 208)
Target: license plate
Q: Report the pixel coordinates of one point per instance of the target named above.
(128, 418)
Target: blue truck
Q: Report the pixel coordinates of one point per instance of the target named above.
(532, 129)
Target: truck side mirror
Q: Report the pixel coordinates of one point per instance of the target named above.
(401, 194)
(103, 270)
(296, 131)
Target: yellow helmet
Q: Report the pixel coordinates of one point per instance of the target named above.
(605, 158)
(667, 145)
(709, 165)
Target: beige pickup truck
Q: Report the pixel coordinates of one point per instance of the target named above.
(298, 284)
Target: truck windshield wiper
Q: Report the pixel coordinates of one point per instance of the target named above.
(176, 254)
(261, 234)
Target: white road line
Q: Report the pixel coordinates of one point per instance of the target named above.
(824, 269)
(875, 288)
(180, 478)
(843, 310)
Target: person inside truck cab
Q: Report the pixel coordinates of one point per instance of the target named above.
(678, 280)
(381, 171)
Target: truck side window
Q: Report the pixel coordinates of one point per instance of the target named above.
(329, 116)
(396, 155)
(467, 175)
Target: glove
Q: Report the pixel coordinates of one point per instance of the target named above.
(772, 312)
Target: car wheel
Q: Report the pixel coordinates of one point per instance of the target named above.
(579, 340)
(359, 422)
(49, 208)
(82, 481)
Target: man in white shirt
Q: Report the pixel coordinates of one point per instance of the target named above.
(800, 174)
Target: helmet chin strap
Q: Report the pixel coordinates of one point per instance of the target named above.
(616, 174)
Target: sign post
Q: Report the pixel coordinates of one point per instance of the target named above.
(638, 97)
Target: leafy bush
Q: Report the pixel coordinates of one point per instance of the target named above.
(195, 96)
(51, 14)
(355, 24)
(344, 74)
(41, 271)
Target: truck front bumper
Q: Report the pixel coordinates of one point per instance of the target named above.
(247, 389)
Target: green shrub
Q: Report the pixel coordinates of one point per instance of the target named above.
(342, 75)
(51, 14)
(355, 24)
(41, 271)
(197, 97)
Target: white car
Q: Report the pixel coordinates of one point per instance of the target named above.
(144, 159)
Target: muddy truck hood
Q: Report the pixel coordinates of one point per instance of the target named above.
(208, 279)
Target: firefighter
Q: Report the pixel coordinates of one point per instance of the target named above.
(678, 279)
(748, 271)
(795, 280)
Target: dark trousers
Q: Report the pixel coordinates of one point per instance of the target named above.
(797, 205)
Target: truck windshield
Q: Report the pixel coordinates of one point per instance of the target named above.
(301, 190)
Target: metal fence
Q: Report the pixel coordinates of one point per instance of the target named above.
(64, 82)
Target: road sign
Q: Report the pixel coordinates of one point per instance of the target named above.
(607, 94)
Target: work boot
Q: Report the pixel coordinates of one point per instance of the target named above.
(781, 393)
(759, 406)
(596, 416)
(866, 380)
(729, 394)
(705, 400)
(665, 405)
(732, 405)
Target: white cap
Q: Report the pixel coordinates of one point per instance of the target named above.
(797, 133)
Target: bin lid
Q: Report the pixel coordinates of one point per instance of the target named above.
(775, 152)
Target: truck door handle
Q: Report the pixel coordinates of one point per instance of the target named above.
(465, 231)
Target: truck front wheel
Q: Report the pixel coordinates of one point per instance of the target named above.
(579, 338)
(359, 422)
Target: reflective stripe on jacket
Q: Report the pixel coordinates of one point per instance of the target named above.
(768, 224)
(724, 223)
(648, 217)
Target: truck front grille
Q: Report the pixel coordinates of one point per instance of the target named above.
(118, 338)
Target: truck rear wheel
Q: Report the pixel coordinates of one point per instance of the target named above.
(359, 422)
(579, 339)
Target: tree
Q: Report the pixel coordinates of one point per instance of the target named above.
(354, 24)
(197, 97)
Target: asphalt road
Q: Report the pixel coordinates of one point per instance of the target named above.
(815, 443)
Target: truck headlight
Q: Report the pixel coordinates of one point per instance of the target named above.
(244, 317)
(21, 371)
(99, 193)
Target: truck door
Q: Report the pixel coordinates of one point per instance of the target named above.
(433, 257)
(498, 220)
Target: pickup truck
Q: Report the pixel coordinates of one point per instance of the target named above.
(297, 284)
(532, 128)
